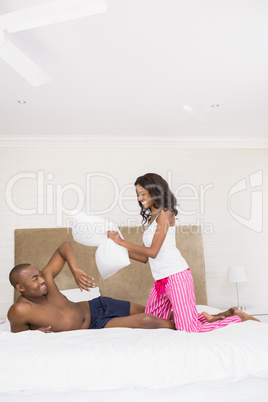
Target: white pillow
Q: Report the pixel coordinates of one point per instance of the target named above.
(88, 230)
(5, 325)
(110, 257)
(91, 230)
(75, 295)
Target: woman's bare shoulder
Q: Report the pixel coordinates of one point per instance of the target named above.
(167, 216)
(166, 213)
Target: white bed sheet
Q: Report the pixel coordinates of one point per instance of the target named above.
(122, 359)
(250, 389)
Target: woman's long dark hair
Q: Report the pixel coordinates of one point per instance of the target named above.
(160, 193)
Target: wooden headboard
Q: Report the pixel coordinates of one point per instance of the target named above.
(133, 283)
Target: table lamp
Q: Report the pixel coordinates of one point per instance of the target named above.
(237, 274)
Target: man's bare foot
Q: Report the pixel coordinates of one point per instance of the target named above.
(223, 315)
(227, 313)
(244, 316)
(212, 318)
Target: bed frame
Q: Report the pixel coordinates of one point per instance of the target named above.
(133, 283)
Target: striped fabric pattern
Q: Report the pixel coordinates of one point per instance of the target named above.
(178, 295)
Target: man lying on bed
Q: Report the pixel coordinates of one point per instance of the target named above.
(42, 306)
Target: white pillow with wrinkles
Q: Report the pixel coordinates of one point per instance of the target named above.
(75, 295)
(110, 257)
(91, 230)
(88, 230)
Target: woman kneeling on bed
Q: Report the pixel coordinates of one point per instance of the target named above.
(173, 289)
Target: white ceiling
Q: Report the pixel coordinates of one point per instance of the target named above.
(145, 69)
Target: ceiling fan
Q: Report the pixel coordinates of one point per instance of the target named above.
(36, 16)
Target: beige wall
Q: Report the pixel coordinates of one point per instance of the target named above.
(39, 181)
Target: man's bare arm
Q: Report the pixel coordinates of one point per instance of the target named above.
(17, 317)
(65, 253)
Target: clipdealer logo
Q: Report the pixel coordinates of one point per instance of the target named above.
(100, 193)
(252, 188)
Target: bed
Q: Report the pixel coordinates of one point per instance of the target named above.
(122, 364)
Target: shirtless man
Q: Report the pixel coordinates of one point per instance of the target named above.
(41, 306)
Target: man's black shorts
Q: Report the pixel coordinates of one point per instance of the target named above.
(103, 309)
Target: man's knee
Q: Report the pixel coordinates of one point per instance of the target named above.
(149, 321)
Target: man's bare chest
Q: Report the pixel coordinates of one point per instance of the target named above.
(60, 316)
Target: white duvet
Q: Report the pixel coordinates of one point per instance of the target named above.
(120, 358)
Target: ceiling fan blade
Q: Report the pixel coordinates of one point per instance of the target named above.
(49, 13)
(23, 65)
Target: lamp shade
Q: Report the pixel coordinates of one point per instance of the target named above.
(237, 274)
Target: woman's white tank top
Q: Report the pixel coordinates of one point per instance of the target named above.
(169, 260)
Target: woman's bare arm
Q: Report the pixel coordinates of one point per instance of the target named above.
(137, 257)
(163, 223)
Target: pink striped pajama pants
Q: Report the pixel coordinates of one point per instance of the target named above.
(177, 292)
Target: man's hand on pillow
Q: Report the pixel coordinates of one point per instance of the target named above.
(115, 236)
(83, 280)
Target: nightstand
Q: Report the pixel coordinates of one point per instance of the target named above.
(261, 314)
